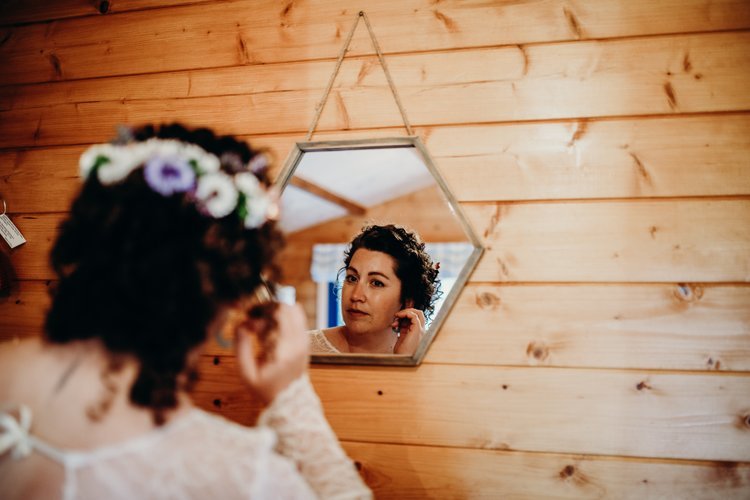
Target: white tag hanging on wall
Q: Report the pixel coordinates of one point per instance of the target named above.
(9, 231)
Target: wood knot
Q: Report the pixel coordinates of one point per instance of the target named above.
(567, 471)
(380, 393)
(538, 351)
(487, 300)
(358, 464)
(714, 363)
(744, 421)
(643, 385)
(688, 293)
(217, 403)
(216, 360)
(102, 6)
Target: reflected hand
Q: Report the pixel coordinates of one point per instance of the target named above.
(280, 368)
(411, 325)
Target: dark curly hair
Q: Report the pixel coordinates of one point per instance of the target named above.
(146, 273)
(414, 267)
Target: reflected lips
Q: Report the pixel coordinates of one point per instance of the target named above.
(356, 313)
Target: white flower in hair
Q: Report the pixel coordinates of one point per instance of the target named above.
(119, 165)
(257, 211)
(90, 157)
(248, 184)
(257, 201)
(217, 194)
(207, 162)
(171, 166)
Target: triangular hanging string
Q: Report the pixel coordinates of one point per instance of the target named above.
(322, 103)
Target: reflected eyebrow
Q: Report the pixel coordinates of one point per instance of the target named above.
(378, 273)
(371, 273)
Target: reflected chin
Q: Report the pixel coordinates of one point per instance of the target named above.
(358, 324)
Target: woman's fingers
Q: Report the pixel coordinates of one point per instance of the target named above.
(411, 335)
(416, 317)
(246, 355)
(281, 367)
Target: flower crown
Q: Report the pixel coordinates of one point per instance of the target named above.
(171, 166)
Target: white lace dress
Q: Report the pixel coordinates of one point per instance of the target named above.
(319, 343)
(292, 453)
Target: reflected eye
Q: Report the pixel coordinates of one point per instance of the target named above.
(377, 283)
(350, 278)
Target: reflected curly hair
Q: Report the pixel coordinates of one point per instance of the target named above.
(414, 266)
(146, 273)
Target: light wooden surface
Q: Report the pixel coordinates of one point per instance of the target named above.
(703, 155)
(249, 32)
(677, 327)
(682, 73)
(22, 313)
(604, 412)
(681, 326)
(644, 241)
(647, 241)
(404, 471)
(599, 148)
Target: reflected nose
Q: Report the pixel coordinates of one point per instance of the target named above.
(358, 292)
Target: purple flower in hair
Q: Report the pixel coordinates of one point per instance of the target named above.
(258, 164)
(169, 175)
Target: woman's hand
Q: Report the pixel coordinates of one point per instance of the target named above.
(411, 324)
(280, 368)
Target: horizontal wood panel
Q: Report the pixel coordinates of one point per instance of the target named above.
(22, 313)
(684, 60)
(219, 389)
(685, 156)
(31, 260)
(23, 11)
(685, 327)
(205, 36)
(43, 180)
(644, 241)
(697, 73)
(406, 471)
(601, 412)
(402, 471)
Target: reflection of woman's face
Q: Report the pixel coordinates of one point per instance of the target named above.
(371, 294)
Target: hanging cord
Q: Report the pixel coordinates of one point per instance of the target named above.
(321, 105)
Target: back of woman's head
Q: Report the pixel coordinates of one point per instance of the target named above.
(413, 265)
(160, 236)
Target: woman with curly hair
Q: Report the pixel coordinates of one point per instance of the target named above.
(389, 289)
(167, 241)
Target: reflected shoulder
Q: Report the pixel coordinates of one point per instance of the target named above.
(335, 336)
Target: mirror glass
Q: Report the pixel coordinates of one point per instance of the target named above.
(330, 191)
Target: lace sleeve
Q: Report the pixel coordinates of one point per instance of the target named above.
(305, 437)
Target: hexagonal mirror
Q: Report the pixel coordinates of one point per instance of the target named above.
(378, 249)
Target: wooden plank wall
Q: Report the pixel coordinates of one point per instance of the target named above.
(600, 148)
